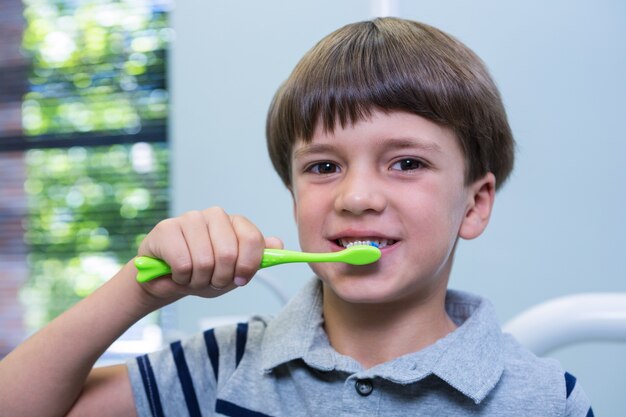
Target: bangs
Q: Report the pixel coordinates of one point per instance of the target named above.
(362, 72)
(391, 64)
(364, 69)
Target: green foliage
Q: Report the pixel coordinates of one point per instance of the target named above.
(89, 210)
(97, 66)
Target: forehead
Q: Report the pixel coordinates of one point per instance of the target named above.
(385, 130)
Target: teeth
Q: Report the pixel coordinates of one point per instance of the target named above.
(381, 243)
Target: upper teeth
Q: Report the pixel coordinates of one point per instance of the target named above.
(378, 243)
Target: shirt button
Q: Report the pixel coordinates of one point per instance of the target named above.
(364, 387)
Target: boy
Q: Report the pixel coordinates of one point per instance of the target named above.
(388, 131)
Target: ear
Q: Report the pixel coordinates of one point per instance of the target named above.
(481, 195)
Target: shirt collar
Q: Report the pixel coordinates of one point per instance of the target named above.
(472, 362)
(469, 359)
(290, 335)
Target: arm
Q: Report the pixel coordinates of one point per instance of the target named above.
(51, 373)
(46, 374)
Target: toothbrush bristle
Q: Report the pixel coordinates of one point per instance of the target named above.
(362, 243)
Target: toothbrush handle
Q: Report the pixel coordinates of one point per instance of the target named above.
(273, 257)
(151, 268)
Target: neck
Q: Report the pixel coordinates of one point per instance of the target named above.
(376, 333)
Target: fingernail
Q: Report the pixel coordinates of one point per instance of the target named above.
(240, 281)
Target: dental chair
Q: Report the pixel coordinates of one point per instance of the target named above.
(569, 320)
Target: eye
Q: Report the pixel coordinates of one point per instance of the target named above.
(323, 168)
(407, 164)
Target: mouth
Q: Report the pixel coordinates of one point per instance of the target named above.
(379, 242)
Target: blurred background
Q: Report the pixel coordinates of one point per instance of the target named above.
(115, 114)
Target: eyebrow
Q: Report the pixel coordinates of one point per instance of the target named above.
(415, 143)
(312, 149)
(392, 143)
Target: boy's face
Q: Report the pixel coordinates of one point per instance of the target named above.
(395, 178)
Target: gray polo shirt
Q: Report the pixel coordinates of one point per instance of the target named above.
(285, 366)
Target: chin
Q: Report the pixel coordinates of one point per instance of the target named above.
(364, 289)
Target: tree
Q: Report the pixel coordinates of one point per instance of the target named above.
(97, 67)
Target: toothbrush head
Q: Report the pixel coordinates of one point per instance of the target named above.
(361, 254)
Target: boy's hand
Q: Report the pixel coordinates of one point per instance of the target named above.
(209, 252)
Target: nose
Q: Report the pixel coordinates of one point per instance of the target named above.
(359, 194)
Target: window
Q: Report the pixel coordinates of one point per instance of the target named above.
(83, 151)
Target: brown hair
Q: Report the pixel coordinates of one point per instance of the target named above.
(393, 64)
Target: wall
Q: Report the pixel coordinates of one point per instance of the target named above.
(13, 251)
(558, 226)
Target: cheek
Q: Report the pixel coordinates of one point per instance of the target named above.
(435, 215)
(308, 220)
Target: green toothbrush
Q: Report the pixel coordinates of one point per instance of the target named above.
(358, 254)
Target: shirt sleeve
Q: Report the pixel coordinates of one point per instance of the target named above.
(177, 378)
(577, 403)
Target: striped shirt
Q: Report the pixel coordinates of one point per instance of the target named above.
(285, 366)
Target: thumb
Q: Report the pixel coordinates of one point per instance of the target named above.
(274, 243)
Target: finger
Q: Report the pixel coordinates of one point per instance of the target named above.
(175, 253)
(274, 242)
(224, 243)
(196, 233)
(250, 249)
